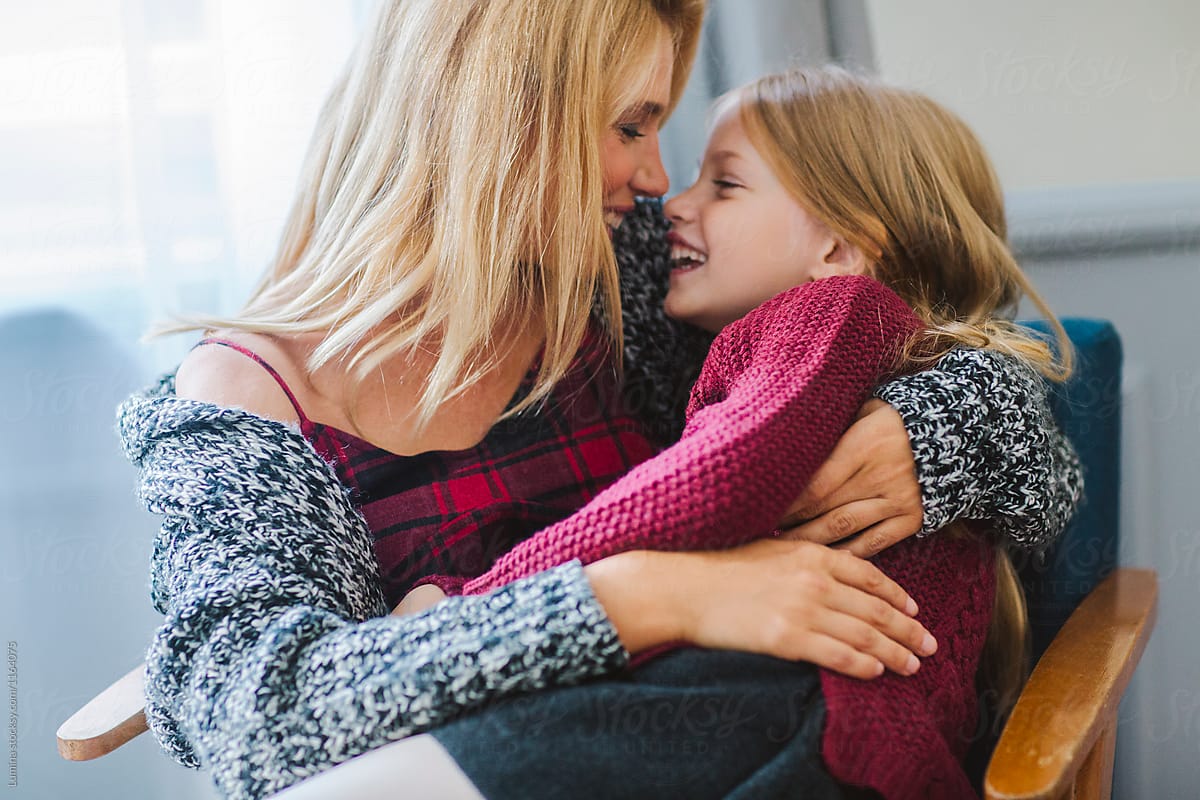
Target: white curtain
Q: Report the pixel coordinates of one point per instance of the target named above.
(149, 148)
(148, 151)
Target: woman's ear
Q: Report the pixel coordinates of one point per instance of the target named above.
(842, 258)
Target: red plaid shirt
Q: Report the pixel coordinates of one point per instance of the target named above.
(446, 515)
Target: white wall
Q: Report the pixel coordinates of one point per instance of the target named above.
(74, 552)
(1068, 92)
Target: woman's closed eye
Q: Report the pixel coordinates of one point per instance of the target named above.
(724, 185)
(630, 131)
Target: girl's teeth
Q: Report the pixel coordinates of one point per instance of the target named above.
(684, 257)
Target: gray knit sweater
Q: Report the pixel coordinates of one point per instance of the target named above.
(275, 660)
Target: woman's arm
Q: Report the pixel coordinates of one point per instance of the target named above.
(987, 447)
(793, 600)
(972, 438)
(269, 665)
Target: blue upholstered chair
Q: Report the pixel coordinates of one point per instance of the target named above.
(1090, 621)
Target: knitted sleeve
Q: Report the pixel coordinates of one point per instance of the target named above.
(662, 357)
(984, 440)
(777, 390)
(273, 662)
(987, 447)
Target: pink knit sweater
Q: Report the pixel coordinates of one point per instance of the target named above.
(777, 390)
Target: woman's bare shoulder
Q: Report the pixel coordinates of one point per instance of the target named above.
(221, 375)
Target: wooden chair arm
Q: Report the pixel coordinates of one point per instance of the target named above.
(1066, 714)
(109, 720)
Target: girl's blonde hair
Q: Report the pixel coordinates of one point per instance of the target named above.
(453, 188)
(906, 182)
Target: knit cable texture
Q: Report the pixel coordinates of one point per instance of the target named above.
(273, 662)
(906, 736)
(777, 390)
(987, 447)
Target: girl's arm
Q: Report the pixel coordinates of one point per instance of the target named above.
(972, 438)
(777, 390)
(1008, 463)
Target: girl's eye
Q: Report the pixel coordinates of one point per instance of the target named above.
(630, 131)
(723, 185)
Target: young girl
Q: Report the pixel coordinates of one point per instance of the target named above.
(817, 190)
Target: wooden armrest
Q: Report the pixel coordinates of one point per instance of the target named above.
(109, 720)
(1072, 696)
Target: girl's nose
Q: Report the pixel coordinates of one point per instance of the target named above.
(678, 208)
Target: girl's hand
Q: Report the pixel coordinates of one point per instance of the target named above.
(867, 489)
(418, 600)
(795, 600)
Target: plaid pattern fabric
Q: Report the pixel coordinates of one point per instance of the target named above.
(445, 516)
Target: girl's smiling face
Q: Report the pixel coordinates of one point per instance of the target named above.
(739, 237)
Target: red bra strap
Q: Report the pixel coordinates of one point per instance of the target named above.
(305, 424)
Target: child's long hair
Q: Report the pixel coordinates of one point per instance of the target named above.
(908, 183)
(454, 185)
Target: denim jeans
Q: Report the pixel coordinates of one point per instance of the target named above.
(690, 724)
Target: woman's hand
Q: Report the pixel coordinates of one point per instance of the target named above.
(867, 489)
(795, 600)
(418, 600)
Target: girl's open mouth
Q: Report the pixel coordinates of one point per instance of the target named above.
(684, 257)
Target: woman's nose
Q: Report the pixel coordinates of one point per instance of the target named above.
(651, 178)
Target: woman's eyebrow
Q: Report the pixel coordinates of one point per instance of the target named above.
(647, 109)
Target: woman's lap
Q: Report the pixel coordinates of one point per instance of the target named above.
(691, 724)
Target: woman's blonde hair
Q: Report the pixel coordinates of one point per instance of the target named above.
(453, 188)
(906, 182)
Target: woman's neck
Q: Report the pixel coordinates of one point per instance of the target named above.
(383, 406)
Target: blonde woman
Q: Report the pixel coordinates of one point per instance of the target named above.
(419, 383)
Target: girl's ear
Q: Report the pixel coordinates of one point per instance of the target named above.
(842, 258)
